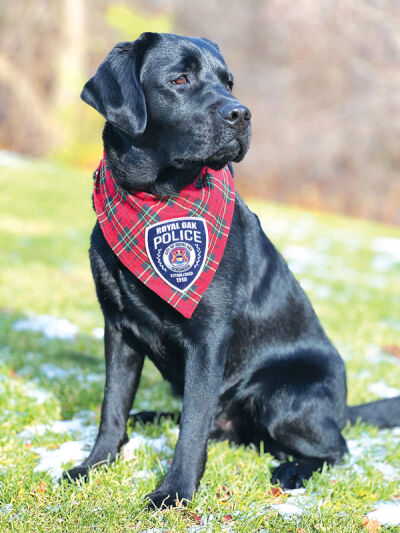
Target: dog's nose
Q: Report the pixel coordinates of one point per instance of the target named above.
(236, 114)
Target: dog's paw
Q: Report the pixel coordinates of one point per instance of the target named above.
(160, 499)
(292, 475)
(75, 474)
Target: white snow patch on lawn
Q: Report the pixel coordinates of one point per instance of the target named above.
(78, 425)
(301, 259)
(383, 262)
(287, 510)
(388, 253)
(388, 471)
(53, 371)
(56, 372)
(381, 389)
(387, 245)
(52, 461)
(386, 513)
(321, 291)
(136, 441)
(12, 159)
(98, 333)
(40, 395)
(50, 326)
(6, 508)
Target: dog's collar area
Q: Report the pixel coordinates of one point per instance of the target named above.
(172, 244)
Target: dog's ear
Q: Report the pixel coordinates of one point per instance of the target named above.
(115, 90)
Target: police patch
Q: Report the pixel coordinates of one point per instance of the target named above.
(177, 249)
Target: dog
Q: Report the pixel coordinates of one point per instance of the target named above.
(253, 363)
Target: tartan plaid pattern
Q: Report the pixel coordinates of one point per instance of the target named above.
(123, 218)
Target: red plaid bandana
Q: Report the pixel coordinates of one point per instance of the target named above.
(172, 244)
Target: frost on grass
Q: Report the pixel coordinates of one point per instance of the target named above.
(374, 450)
(50, 326)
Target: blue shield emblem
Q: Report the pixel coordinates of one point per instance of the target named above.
(177, 250)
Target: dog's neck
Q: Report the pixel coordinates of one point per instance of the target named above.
(139, 167)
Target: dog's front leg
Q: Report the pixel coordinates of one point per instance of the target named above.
(123, 370)
(203, 377)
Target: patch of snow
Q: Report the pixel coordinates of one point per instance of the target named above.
(136, 441)
(142, 474)
(388, 471)
(50, 326)
(383, 262)
(12, 159)
(381, 389)
(56, 372)
(154, 530)
(98, 333)
(386, 513)
(53, 371)
(6, 508)
(296, 492)
(367, 445)
(301, 259)
(91, 378)
(321, 291)
(323, 244)
(287, 510)
(78, 425)
(387, 245)
(36, 393)
(374, 354)
(52, 461)
(273, 226)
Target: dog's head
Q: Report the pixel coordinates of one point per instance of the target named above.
(173, 95)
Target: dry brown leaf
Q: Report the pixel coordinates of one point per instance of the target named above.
(392, 349)
(371, 525)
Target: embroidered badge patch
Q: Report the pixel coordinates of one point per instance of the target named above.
(177, 249)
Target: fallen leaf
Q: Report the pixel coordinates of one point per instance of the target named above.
(392, 349)
(223, 493)
(227, 518)
(371, 525)
(275, 492)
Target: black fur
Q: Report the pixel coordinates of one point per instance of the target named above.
(253, 363)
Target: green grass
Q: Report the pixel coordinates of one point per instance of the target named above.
(45, 223)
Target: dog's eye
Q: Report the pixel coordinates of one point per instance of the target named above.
(180, 80)
(229, 86)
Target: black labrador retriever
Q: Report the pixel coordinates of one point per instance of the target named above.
(253, 363)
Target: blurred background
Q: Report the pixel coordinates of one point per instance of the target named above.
(320, 76)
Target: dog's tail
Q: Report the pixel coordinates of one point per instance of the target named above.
(382, 413)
